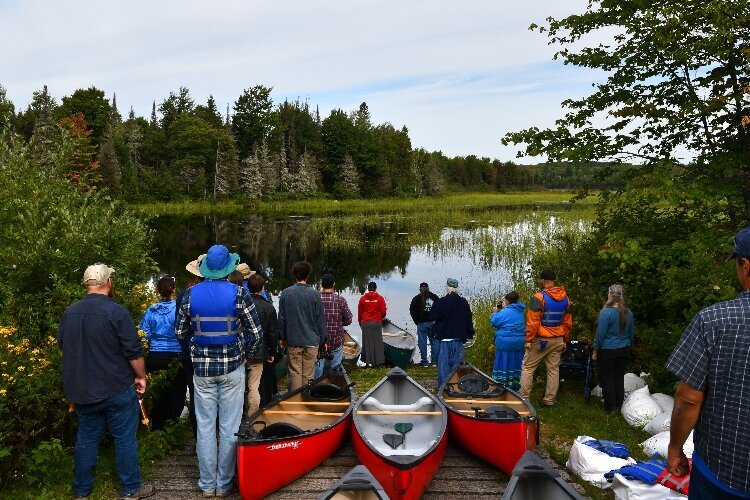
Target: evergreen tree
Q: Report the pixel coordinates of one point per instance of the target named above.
(94, 106)
(115, 115)
(251, 179)
(175, 106)
(348, 179)
(434, 178)
(7, 110)
(307, 177)
(109, 166)
(269, 169)
(45, 132)
(154, 122)
(252, 118)
(286, 178)
(226, 173)
(209, 113)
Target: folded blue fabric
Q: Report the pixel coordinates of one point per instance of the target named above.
(611, 448)
(648, 471)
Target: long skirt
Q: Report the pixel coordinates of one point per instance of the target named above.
(373, 351)
(507, 368)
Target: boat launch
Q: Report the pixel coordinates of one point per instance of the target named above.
(400, 434)
(487, 419)
(288, 438)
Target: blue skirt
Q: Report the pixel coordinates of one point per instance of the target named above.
(507, 368)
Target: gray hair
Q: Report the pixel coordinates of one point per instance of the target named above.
(617, 296)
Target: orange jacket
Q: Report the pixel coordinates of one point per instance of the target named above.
(534, 326)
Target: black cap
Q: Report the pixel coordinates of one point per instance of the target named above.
(548, 275)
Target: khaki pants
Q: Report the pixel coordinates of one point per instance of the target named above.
(252, 400)
(301, 365)
(552, 355)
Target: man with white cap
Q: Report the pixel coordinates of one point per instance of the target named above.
(225, 329)
(102, 370)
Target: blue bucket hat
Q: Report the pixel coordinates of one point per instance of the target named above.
(741, 244)
(218, 263)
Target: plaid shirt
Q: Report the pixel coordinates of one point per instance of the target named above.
(214, 360)
(338, 315)
(713, 356)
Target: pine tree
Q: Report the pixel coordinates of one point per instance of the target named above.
(153, 122)
(46, 130)
(109, 166)
(115, 116)
(269, 169)
(251, 179)
(434, 179)
(226, 173)
(348, 179)
(307, 177)
(286, 178)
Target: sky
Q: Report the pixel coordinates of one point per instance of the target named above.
(458, 74)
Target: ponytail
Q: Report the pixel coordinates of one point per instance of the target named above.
(617, 296)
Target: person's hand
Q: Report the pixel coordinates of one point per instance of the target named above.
(325, 346)
(677, 462)
(528, 345)
(495, 309)
(270, 359)
(140, 385)
(594, 355)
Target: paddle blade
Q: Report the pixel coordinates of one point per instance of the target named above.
(403, 427)
(393, 440)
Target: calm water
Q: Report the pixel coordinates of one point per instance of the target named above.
(485, 257)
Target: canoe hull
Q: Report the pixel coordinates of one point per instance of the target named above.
(533, 478)
(397, 356)
(358, 484)
(408, 483)
(399, 345)
(500, 444)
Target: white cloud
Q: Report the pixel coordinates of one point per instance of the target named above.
(458, 74)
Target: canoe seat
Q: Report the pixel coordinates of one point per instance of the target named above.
(423, 401)
(474, 385)
(281, 430)
(325, 392)
(500, 412)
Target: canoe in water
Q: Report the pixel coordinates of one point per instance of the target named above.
(288, 438)
(400, 434)
(399, 344)
(487, 419)
(357, 484)
(352, 348)
(533, 478)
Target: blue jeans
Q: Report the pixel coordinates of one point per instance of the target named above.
(119, 413)
(338, 355)
(221, 395)
(424, 332)
(450, 355)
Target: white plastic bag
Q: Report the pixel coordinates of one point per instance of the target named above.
(665, 401)
(597, 392)
(632, 489)
(658, 445)
(633, 382)
(659, 423)
(591, 464)
(639, 408)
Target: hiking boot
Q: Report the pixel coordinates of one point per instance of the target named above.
(209, 494)
(224, 494)
(145, 491)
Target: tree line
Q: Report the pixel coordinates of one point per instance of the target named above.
(258, 149)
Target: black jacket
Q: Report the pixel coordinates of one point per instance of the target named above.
(421, 313)
(268, 321)
(452, 316)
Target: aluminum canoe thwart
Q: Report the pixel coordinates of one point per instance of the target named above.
(400, 434)
(487, 419)
(533, 478)
(288, 438)
(399, 344)
(357, 484)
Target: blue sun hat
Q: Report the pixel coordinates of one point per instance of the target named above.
(218, 263)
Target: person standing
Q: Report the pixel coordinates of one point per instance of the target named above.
(419, 309)
(371, 310)
(163, 351)
(102, 371)
(548, 325)
(453, 326)
(265, 356)
(711, 360)
(302, 326)
(221, 318)
(614, 335)
(338, 315)
(509, 320)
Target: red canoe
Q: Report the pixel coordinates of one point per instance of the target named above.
(400, 434)
(288, 438)
(487, 419)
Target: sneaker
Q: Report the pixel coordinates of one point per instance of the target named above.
(546, 405)
(145, 491)
(209, 494)
(424, 364)
(224, 494)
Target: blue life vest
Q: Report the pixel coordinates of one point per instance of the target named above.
(212, 313)
(554, 310)
(611, 448)
(648, 472)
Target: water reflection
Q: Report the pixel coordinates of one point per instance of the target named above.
(397, 253)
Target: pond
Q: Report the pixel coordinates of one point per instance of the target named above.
(485, 252)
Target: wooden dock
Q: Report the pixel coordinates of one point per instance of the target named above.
(460, 477)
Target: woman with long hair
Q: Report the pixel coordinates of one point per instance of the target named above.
(509, 321)
(164, 350)
(614, 335)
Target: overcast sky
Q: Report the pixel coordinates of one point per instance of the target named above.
(458, 74)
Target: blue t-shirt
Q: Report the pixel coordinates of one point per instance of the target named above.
(608, 334)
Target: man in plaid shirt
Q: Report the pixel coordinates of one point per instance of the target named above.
(338, 315)
(222, 321)
(711, 360)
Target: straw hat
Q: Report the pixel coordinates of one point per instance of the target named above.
(245, 270)
(192, 266)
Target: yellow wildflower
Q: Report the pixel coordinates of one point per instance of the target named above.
(21, 368)
(3, 392)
